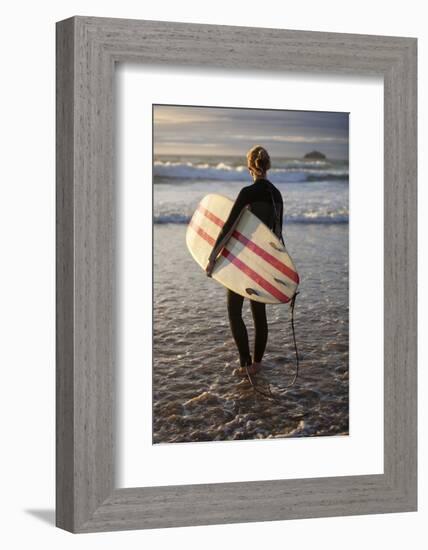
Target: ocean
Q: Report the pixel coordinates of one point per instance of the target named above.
(195, 395)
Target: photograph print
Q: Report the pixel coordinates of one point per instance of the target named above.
(250, 274)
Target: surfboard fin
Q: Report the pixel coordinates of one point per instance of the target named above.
(280, 281)
(276, 247)
(251, 291)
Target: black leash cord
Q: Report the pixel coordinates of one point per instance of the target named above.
(293, 299)
(257, 389)
(296, 374)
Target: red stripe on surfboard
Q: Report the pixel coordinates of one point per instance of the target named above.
(261, 281)
(218, 221)
(255, 276)
(201, 232)
(253, 246)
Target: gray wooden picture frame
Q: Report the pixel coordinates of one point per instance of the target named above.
(87, 50)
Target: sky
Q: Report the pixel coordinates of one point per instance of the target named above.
(183, 130)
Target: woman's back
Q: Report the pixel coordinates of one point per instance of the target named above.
(265, 202)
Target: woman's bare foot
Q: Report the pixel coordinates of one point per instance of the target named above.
(252, 369)
(256, 367)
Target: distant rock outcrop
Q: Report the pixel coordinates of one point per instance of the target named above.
(314, 155)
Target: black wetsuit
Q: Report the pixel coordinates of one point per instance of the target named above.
(260, 196)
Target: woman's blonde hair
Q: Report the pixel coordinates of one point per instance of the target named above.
(258, 160)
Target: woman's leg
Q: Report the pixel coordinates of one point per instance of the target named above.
(260, 328)
(237, 326)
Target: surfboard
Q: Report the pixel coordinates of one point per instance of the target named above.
(254, 263)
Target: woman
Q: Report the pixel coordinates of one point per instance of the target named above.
(265, 201)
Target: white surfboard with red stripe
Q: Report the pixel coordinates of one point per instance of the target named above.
(254, 263)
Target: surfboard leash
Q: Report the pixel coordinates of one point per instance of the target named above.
(270, 395)
(257, 389)
(292, 304)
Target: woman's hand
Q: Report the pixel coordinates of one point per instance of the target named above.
(210, 267)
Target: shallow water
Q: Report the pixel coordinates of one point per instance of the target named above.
(195, 395)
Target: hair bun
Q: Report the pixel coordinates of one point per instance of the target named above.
(258, 160)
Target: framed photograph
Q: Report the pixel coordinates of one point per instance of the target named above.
(202, 156)
(236, 274)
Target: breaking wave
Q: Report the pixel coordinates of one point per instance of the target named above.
(289, 172)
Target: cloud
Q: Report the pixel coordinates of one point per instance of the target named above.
(294, 139)
(191, 130)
